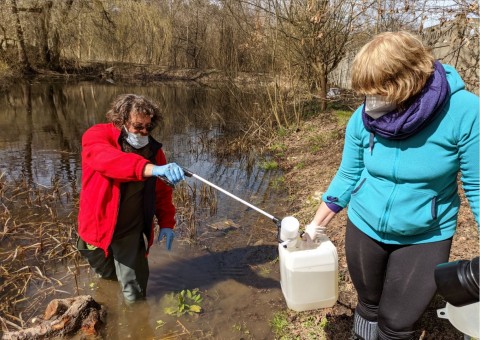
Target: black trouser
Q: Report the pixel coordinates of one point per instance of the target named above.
(395, 283)
(126, 262)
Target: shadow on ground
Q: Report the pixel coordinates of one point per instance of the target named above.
(203, 269)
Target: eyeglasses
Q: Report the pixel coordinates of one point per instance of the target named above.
(139, 127)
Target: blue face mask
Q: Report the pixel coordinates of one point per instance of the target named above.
(136, 140)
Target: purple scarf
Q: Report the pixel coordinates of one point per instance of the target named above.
(420, 109)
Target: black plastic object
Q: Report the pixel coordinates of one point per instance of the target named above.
(187, 172)
(458, 282)
(166, 181)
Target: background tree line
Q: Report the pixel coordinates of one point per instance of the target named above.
(304, 40)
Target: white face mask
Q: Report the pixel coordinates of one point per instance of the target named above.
(377, 106)
(136, 140)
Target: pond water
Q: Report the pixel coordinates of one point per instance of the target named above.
(235, 269)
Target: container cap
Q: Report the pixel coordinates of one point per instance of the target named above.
(289, 228)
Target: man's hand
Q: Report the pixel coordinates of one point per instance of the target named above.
(169, 235)
(170, 171)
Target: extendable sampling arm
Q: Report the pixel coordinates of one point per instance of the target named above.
(275, 220)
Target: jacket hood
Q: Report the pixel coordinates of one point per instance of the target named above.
(453, 78)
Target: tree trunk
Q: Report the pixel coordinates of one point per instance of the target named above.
(22, 54)
(322, 81)
(65, 317)
(51, 49)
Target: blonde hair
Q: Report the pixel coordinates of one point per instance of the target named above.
(394, 64)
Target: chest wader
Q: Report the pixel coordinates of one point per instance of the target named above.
(127, 261)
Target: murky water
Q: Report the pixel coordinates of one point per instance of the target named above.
(236, 275)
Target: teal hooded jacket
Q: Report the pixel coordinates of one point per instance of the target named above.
(405, 191)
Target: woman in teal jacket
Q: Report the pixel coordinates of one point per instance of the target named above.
(404, 147)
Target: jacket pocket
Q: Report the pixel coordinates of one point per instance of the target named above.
(368, 202)
(412, 212)
(394, 209)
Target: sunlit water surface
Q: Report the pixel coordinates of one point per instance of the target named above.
(41, 126)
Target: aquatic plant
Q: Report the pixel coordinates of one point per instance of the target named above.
(187, 303)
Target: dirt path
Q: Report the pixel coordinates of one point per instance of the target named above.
(312, 157)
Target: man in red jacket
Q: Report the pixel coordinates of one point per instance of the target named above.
(121, 193)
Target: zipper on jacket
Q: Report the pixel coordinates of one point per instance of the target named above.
(434, 207)
(358, 186)
(386, 215)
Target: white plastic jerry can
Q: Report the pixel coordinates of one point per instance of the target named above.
(309, 277)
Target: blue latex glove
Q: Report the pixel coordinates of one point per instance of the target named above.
(169, 235)
(170, 171)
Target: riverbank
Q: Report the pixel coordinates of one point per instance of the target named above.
(7, 76)
(310, 157)
(131, 73)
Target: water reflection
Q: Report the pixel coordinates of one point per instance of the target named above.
(42, 124)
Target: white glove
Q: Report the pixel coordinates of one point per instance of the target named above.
(315, 231)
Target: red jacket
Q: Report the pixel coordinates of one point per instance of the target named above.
(104, 167)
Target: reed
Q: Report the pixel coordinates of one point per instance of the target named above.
(38, 232)
(193, 207)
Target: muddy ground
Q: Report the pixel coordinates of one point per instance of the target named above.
(310, 157)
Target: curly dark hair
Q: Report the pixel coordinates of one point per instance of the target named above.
(127, 104)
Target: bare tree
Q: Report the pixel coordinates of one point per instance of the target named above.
(22, 52)
(312, 35)
(452, 31)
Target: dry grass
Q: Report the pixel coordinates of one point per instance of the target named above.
(193, 205)
(37, 232)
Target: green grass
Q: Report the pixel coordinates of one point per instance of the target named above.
(280, 324)
(278, 149)
(269, 165)
(282, 132)
(343, 117)
(311, 327)
(319, 141)
(300, 165)
(278, 183)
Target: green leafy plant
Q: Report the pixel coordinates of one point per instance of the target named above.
(324, 323)
(269, 165)
(188, 302)
(241, 327)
